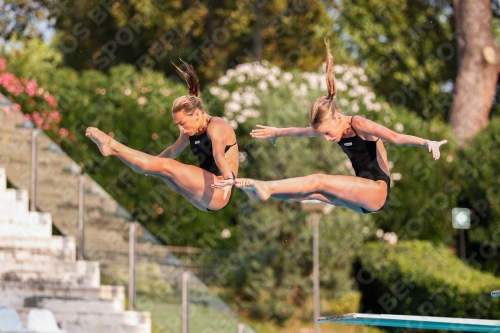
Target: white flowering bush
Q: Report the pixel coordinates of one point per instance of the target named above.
(241, 89)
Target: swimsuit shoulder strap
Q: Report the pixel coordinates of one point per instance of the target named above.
(208, 123)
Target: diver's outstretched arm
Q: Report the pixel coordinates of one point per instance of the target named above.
(368, 127)
(272, 133)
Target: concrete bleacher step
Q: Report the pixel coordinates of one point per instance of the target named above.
(48, 162)
(16, 136)
(13, 155)
(14, 197)
(93, 321)
(79, 273)
(18, 174)
(115, 328)
(19, 137)
(54, 162)
(69, 193)
(10, 322)
(28, 224)
(13, 208)
(42, 272)
(63, 194)
(43, 321)
(78, 305)
(44, 142)
(96, 219)
(56, 248)
(9, 119)
(13, 201)
(58, 178)
(17, 294)
(6, 121)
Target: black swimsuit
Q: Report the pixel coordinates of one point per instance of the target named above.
(363, 156)
(201, 147)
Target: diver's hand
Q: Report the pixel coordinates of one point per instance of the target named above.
(225, 185)
(265, 132)
(433, 147)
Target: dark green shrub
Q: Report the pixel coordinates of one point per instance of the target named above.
(419, 278)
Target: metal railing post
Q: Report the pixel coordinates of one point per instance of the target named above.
(33, 167)
(185, 302)
(81, 217)
(315, 222)
(131, 265)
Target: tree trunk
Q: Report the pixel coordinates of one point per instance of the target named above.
(479, 57)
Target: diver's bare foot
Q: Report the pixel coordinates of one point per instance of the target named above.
(255, 189)
(102, 140)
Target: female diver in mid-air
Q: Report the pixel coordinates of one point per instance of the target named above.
(211, 139)
(360, 138)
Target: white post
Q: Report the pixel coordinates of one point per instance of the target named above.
(315, 222)
(462, 246)
(316, 208)
(241, 328)
(131, 265)
(185, 302)
(81, 218)
(34, 166)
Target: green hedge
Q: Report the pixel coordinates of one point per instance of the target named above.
(419, 278)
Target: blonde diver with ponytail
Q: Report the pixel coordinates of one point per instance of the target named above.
(211, 139)
(360, 138)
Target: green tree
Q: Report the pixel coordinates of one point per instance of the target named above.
(214, 36)
(407, 48)
(19, 18)
(437, 58)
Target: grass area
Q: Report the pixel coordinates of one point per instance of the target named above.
(166, 317)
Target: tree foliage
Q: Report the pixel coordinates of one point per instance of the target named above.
(214, 36)
(19, 18)
(408, 48)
